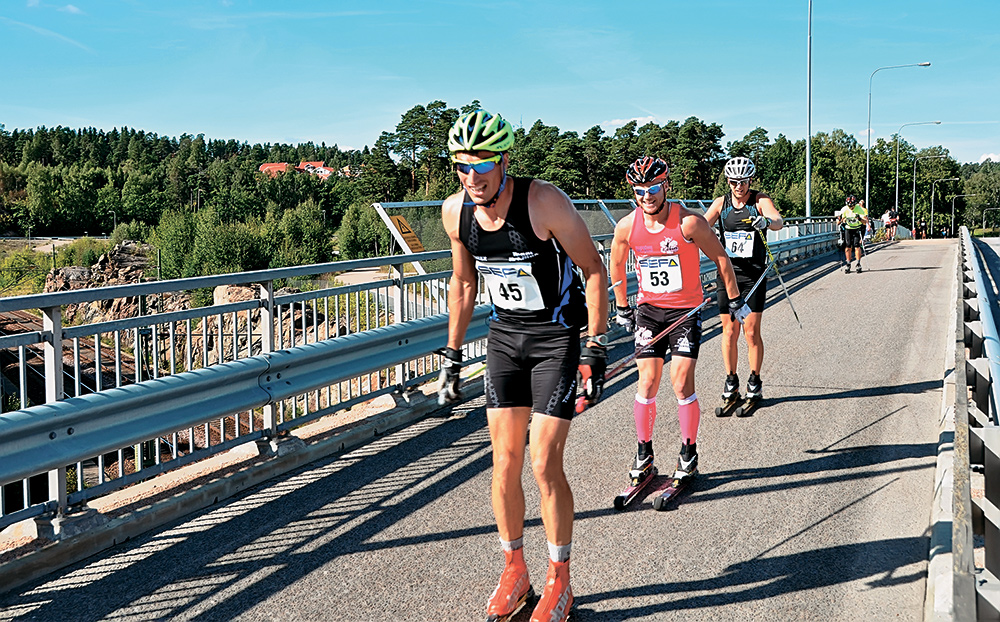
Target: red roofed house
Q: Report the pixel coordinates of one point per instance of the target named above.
(273, 168)
(313, 168)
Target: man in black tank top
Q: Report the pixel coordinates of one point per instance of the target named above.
(743, 217)
(524, 238)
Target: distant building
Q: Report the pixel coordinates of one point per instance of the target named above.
(312, 168)
(350, 171)
(273, 168)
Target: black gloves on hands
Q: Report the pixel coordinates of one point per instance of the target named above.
(451, 367)
(593, 364)
(738, 310)
(625, 316)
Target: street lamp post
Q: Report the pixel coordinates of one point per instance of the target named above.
(809, 50)
(913, 212)
(932, 199)
(868, 156)
(953, 197)
(897, 152)
(115, 216)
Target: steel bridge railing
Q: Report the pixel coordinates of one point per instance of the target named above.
(976, 518)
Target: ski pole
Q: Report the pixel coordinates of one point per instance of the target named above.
(663, 333)
(788, 296)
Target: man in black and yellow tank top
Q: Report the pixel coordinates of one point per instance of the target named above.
(525, 239)
(743, 218)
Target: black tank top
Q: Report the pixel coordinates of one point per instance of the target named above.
(532, 282)
(743, 243)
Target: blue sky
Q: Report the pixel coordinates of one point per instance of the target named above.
(343, 72)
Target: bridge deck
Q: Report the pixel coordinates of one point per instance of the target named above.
(816, 507)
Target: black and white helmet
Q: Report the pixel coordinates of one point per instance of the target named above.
(740, 168)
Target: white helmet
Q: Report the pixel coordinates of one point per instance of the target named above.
(740, 168)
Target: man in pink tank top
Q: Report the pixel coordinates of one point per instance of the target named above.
(666, 239)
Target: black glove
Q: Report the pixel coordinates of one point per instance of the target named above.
(593, 364)
(451, 366)
(738, 310)
(625, 316)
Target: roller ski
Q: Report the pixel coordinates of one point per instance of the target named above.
(755, 393)
(643, 472)
(731, 397)
(513, 591)
(687, 467)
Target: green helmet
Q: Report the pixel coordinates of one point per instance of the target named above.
(480, 131)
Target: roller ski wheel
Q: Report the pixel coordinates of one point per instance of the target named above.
(634, 489)
(728, 406)
(581, 404)
(748, 406)
(662, 501)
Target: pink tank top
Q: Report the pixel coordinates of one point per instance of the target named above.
(668, 265)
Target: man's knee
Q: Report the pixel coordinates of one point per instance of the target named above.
(548, 468)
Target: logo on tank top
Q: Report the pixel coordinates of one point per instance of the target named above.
(669, 246)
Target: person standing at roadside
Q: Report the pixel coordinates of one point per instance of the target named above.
(525, 239)
(743, 217)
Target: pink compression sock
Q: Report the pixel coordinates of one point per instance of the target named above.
(645, 416)
(689, 414)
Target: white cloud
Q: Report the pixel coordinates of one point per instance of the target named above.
(33, 2)
(989, 156)
(69, 8)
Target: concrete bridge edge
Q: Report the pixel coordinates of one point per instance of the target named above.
(938, 596)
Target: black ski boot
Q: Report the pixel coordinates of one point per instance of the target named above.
(643, 463)
(687, 462)
(755, 388)
(731, 390)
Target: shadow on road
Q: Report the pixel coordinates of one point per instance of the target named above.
(763, 578)
(297, 522)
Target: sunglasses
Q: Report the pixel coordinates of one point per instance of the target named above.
(653, 190)
(739, 182)
(480, 166)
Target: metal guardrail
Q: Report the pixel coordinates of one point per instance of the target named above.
(211, 378)
(976, 591)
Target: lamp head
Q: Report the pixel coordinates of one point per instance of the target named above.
(924, 64)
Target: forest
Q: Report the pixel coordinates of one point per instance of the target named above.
(203, 204)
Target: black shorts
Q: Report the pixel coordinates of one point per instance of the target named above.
(650, 321)
(745, 282)
(852, 238)
(536, 369)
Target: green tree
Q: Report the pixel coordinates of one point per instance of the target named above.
(174, 237)
(362, 233)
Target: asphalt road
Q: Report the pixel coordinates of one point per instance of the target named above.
(816, 507)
